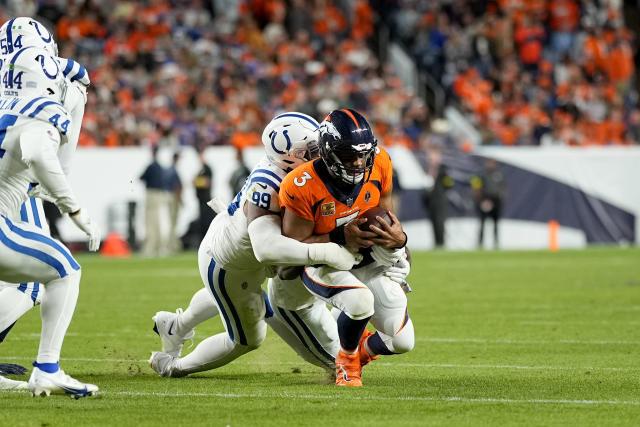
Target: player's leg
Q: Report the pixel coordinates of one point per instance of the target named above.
(303, 322)
(240, 301)
(394, 327)
(344, 291)
(176, 328)
(29, 255)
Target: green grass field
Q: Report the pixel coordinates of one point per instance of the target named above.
(502, 338)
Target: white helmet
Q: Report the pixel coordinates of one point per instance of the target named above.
(22, 32)
(32, 73)
(291, 139)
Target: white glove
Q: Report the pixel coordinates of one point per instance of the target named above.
(216, 205)
(333, 255)
(39, 192)
(399, 271)
(387, 257)
(84, 223)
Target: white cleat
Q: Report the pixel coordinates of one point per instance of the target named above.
(43, 384)
(165, 325)
(7, 384)
(164, 364)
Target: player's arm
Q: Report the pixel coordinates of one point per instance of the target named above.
(271, 247)
(39, 145)
(75, 101)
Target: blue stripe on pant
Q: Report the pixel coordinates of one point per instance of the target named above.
(323, 290)
(221, 294)
(298, 333)
(39, 255)
(43, 239)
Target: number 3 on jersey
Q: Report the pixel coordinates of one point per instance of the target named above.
(302, 180)
(6, 121)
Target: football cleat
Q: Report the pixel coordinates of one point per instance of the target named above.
(44, 384)
(164, 364)
(348, 370)
(365, 357)
(7, 384)
(164, 325)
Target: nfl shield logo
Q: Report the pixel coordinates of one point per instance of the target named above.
(350, 201)
(328, 208)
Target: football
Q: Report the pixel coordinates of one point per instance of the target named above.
(371, 215)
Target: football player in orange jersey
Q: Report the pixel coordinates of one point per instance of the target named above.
(322, 200)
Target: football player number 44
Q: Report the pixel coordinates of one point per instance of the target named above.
(6, 121)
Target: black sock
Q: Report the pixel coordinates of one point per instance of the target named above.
(350, 331)
(377, 346)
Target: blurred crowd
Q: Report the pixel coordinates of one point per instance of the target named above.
(529, 72)
(192, 72)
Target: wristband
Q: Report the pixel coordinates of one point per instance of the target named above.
(406, 238)
(337, 236)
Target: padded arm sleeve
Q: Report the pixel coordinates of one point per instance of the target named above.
(271, 247)
(39, 147)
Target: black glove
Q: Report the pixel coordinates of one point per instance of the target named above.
(12, 369)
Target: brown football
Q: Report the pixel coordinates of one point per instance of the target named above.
(371, 215)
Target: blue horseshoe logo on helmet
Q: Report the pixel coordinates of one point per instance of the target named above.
(44, 70)
(273, 139)
(37, 27)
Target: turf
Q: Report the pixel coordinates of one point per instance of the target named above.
(502, 338)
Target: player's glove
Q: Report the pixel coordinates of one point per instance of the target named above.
(84, 223)
(386, 257)
(41, 193)
(333, 255)
(12, 369)
(399, 271)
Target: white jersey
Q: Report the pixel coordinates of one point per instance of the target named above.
(230, 244)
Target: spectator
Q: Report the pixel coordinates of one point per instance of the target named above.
(203, 182)
(174, 194)
(154, 180)
(239, 175)
(489, 190)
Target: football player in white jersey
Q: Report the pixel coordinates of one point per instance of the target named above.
(17, 299)
(241, 248)
(33, 124)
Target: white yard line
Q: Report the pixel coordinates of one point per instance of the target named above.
(389, 398)
(526, 342)
(399, 364)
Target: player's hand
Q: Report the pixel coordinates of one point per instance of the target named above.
(333, 255)
(356, 238)
(387, 257)
(389, 235)
(399, 271)
(84, 223)
(41, 193)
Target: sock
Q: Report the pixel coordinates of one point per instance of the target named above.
(211, 353)
(4, 333)
(47, 367)
(13, 304)
(56, 313)
(350, 332)
(200, 308)
(376, 345)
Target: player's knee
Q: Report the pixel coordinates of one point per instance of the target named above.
(360, 304)
(404, 340)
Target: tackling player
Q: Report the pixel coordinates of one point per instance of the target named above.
(323, 200)
(241, 247)
(34, 123)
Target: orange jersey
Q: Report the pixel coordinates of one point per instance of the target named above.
(308, 191)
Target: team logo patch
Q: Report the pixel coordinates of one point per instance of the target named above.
(328, 208)
(367, 196)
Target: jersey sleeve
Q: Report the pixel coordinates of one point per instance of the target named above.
(386, 170)
(263, 196)
(295, 194)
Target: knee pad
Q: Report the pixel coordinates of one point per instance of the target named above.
(404, 340)
(358, 303)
